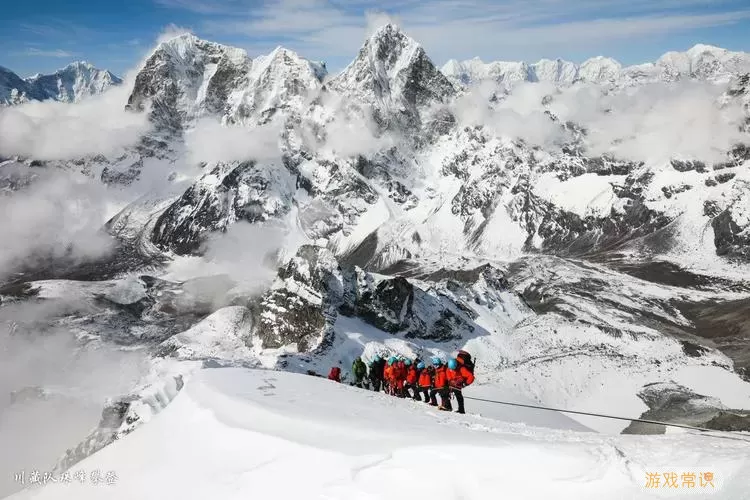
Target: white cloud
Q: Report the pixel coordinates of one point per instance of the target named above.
(33, 51)
(55, 130)
(376, 19)
(36, 352)
(650, 123)
(245, 253)
(209, 141)
(171, 31)
(58, 216)
(654, 122)
(519, 115)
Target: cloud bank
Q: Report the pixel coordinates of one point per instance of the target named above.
(650, 123)
(61, 131)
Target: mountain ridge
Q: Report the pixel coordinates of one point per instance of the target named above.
(78, 80)
(702, 61)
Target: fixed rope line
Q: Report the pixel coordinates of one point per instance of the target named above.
(601, 415)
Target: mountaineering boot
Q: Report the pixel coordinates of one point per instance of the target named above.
(461, 411)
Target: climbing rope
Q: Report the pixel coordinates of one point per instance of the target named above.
(601, 415)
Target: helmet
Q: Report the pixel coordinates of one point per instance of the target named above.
(420, 366)
(391, 360)
(437, 361)
(407, 362)
(452, 364)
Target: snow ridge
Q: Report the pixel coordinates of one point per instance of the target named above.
(703, 62)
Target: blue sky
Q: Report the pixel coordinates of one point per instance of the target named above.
(43, 35)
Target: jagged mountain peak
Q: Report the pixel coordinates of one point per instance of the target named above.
(554, 70)
(393, 73)
(599, 69)
(701, 48)
(79, 65)
(187, 78)
(186, 46)
(281, 56)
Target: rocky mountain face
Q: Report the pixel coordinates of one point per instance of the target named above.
(187, 78)
(393, 74)
(72, 83)
(702, 62)
(571, 274)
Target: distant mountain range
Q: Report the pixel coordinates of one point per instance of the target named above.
(703, 62)
(69, 84)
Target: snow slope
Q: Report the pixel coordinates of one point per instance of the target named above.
(236, 433)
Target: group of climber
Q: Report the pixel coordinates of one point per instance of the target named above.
(415, 379)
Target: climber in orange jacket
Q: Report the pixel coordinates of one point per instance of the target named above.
(399, 377)
(410, 385)
(424, 382)
(388, 375)
(459, 376)
(439, 385)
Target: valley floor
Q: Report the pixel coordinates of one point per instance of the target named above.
(240, 433)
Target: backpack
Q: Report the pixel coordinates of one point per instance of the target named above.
(465, 359)
(334, 373)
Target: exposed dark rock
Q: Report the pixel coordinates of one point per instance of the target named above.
(729, 421)
(711, 208)
(110, 176)
(672, 403)
(688, 165)
(363, 254)
(242, 194)
(566, 233)
(725, 177)
(693, 350)
(670, 191)
(723, 323)
(729, 238)
(302, 308)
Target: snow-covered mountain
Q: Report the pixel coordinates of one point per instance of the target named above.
(72, 83)
(187, 78)
(393, 74)
(703, 62)
(416, 218)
